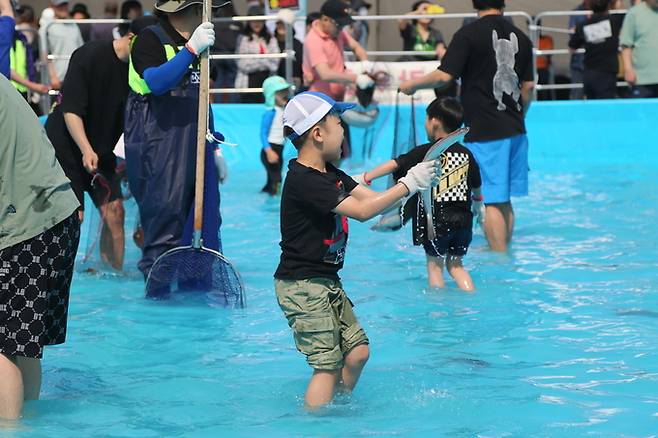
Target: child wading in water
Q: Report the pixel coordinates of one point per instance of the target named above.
(276, 91)
(316, 201)
(453, 211)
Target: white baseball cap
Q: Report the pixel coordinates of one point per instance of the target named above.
(308, 108)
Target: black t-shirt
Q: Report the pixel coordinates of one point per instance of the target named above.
(411, 40)
(460, 174)
(492, 65)
(149, 52)
(313, 237)
(95, 88)
(599, 34)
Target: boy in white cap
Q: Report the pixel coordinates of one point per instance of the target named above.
(276, 91)
(316, 201)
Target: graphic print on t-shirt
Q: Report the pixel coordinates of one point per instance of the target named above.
(597, 33)
(506, 81)
(338, 241)
(453, 185)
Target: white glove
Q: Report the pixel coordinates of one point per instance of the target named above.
(364, 81)
(220, 164)
(422, 176)
(479, 211)
(366, 66)
(202, 38)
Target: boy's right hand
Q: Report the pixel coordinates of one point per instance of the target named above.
(422, 176)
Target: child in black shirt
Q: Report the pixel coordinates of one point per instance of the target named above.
(460, 177)
(599, 34)
(316, 200)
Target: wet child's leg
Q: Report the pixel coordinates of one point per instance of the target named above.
(322, 387)
(353, 364)
(435, 271)
(11, 389)
(457, 271)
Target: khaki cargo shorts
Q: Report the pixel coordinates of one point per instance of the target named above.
(321, 317)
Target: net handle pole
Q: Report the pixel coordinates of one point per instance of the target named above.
(202, 128)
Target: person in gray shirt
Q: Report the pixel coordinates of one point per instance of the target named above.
(60, 39)
(39, 235)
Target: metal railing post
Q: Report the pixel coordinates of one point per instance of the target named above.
(289, 51)
(534, 36)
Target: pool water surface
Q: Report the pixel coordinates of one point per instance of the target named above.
(558, 340)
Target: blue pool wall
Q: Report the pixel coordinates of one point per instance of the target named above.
(562, 133)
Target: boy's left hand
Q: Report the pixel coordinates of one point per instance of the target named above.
(479, 211)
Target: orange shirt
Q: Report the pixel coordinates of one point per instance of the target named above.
(544, 61)
(320, 47)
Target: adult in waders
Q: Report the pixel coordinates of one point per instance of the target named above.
(161, 130)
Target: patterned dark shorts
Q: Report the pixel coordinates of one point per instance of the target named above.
(35, 277)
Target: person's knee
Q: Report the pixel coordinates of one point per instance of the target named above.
(454, 263)
(115, 213)
(358, 356)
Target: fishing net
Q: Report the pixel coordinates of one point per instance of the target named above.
(189, 269)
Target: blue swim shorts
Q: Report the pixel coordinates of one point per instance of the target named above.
(503, 166)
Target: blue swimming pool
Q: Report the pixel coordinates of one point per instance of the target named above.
(559, 339)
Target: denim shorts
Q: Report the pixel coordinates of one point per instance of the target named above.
(503, 167)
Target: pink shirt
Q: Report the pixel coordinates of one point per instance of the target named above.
(319, 48)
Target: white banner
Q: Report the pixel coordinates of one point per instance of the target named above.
(398, 72)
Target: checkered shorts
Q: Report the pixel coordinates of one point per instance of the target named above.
(35, 276)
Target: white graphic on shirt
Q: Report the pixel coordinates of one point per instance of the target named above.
(598, 32)
(505, 80)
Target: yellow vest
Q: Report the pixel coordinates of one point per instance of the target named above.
(18, 62)
(135, 81)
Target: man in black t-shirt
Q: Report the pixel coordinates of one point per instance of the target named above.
(457, 198)
(599, 34)
(494, 60)
(84, 128)
(316, 200)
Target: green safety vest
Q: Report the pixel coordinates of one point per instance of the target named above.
(18, 62)
(135, 81)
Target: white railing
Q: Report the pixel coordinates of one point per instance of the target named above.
(288, 54)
